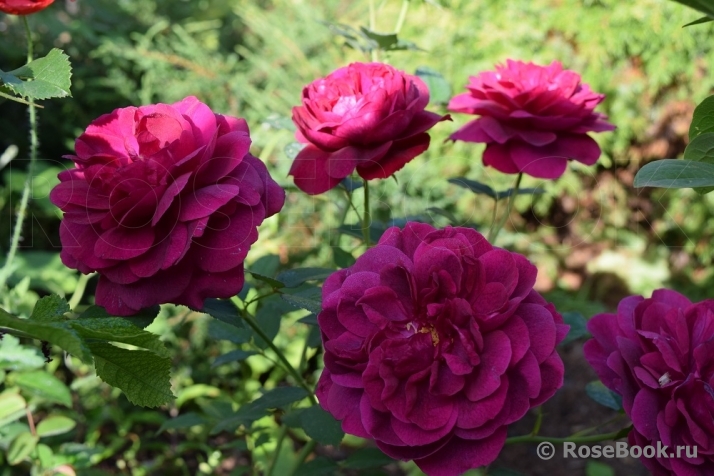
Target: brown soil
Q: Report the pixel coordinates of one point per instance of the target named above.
(569, 411)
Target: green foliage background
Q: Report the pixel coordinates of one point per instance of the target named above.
(251, 59)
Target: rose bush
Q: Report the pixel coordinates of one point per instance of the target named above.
(23, 7)
(434, 342)
(658, 353)
(364, 117)
(164, 203)
(533, 118)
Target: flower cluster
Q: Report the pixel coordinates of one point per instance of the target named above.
(658, 353)
(163, 202)
(434, 342)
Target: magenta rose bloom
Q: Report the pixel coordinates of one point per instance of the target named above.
(163, 203)
(368, 117)
(434, 342)
(23, 7)
(533, 118)
(658, 353)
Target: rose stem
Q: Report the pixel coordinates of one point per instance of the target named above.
(79, 290)
(7, 268)
(493, 234)
(372, 26)
(278, 446)
(567, 439)
(335, 238)
(306, 450)
(250, 320)
(366, 216)
(402, 16)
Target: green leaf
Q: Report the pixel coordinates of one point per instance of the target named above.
(269, 316)
(355, 229)
(55, 425)
(49, 309)
(350, 184)
(12, 407)
(219, 330)
(116, 329)
(21, 447)
(187, 420)
(603, 395)
(57, 333)
(704, 6)
(310, 320)
(14, 356)
(224, 311)
(596, 468)
(444, 213)
(279, 397)
(232, 356)
(266, 265)
(439, 87)
(321, 426)
(266, 279)
(143, 376)
(577, 324)
(303, 303)
(48, 77)
(319, 466)
(671, 173)
(44, 455)
(278, 122)
(276, 398)
(295, 277)
(342, 258)
(293, 149)
(473, 185)
(142, 319)
(701, 149)
(314, 337)
(353, 38)
(292, 418)
(44, 385)
(699, 21)
(387, 41)
(366, 458)
(521, 191)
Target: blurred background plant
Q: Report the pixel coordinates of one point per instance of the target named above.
(594, 238)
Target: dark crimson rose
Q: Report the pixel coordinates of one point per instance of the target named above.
(163, 203)
(533, 118)
(364, 117)
(658, 353)
(434, 342)
(23, 7)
